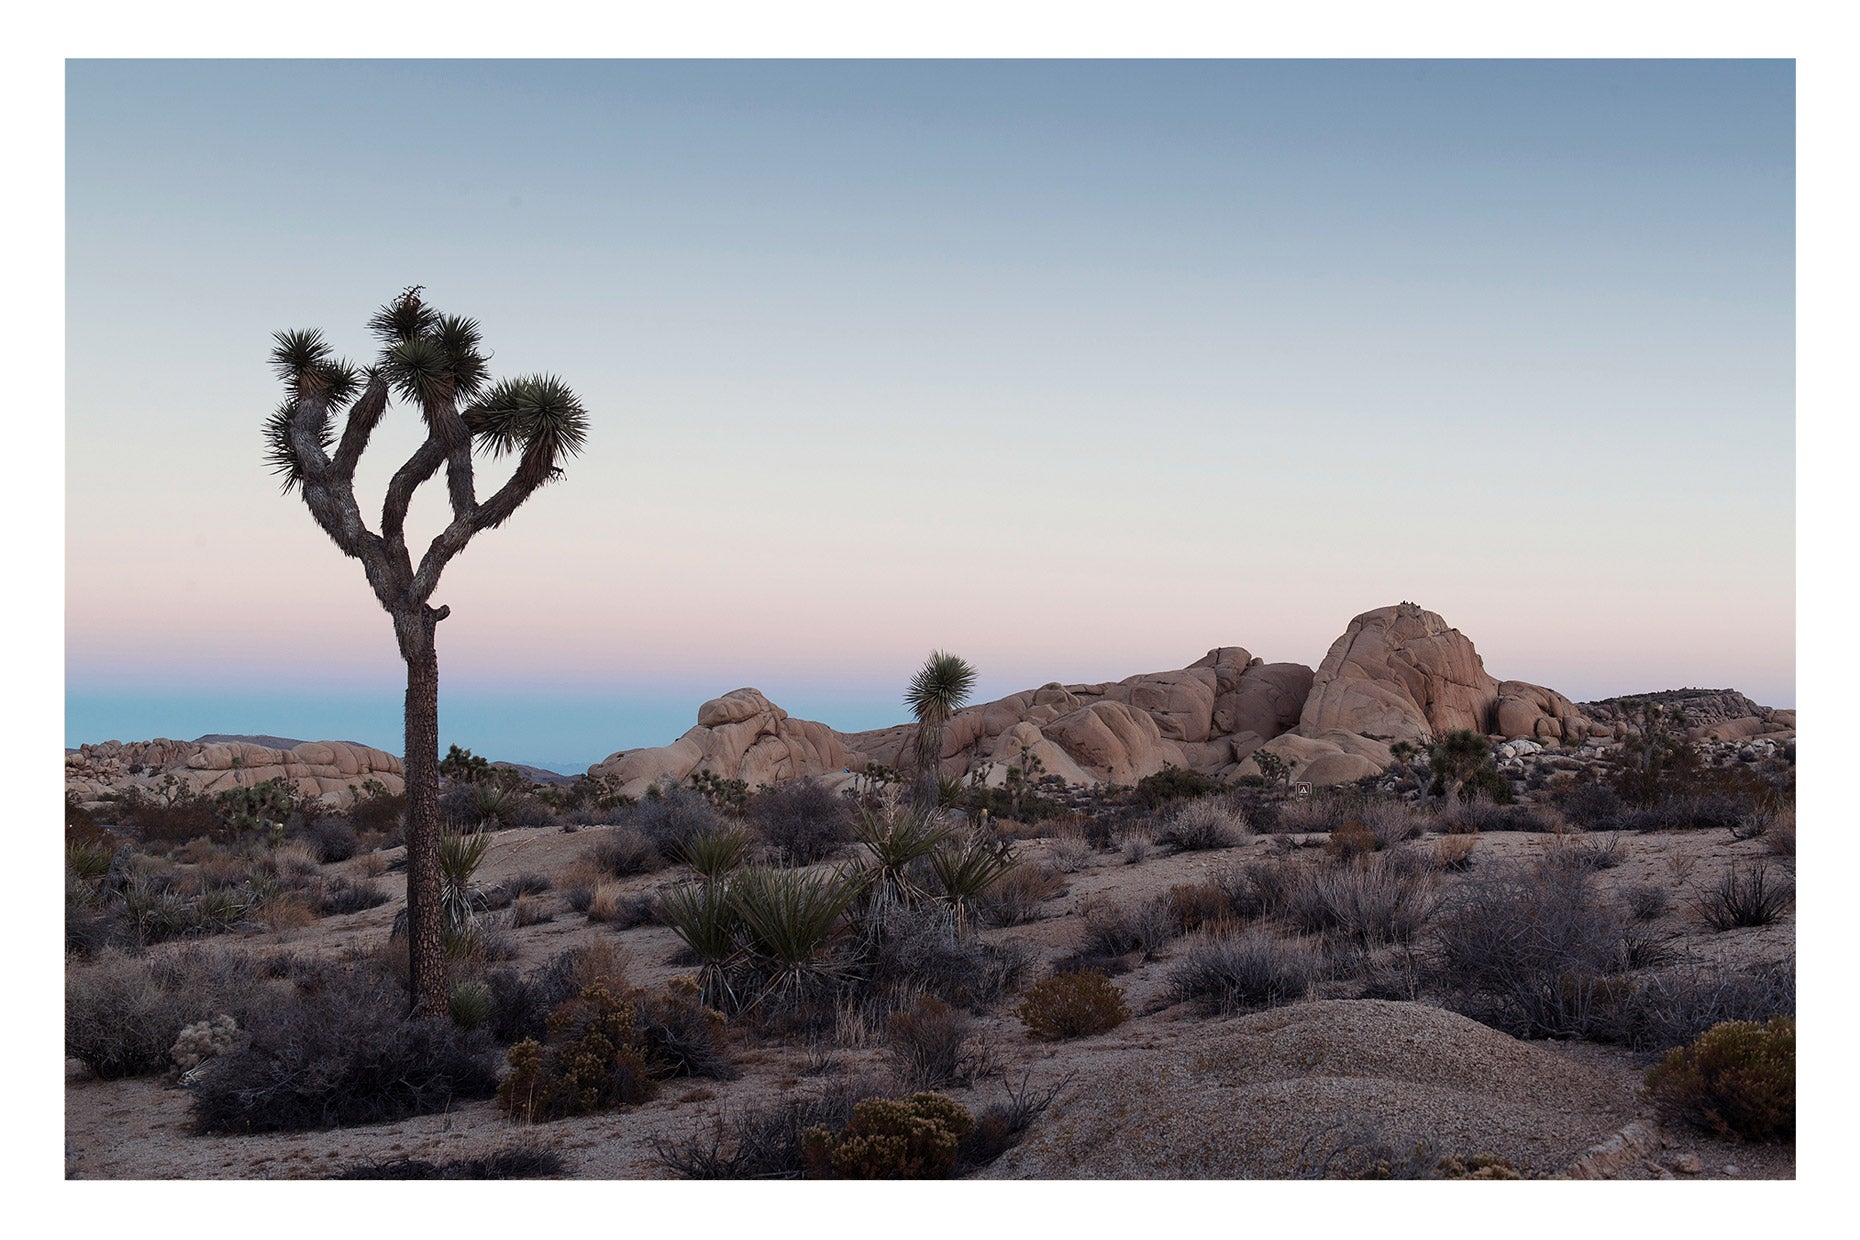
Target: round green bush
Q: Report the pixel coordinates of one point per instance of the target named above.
(1737, 1081)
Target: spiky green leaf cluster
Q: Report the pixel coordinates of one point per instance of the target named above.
(940, 688)
(534, 413)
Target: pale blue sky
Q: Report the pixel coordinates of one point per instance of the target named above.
(1076, 368)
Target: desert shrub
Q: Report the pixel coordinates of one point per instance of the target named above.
(525, 1000)
(1781, 836)
(1015, 898)
(337, 895)
(329, 838)
(516, 1163)
(1379, 900)
(1072, 1005)
(1687, 811)
(609, 906)
(1454, 853)
(1000, 1125)
(1260, 888)
(671, 818)
(343, 1053)
(680, 1036)
(1593, 855)
(1532, 950)
(1319, 813)
(913, 1138)
(623, 852)
(593, 1061)
(1647, 901)
(932, 1045)
(528, 883)
(120, 1020)
(1172, 783)
(1246, 971)
(526, 911)
(1197, 906)
(1671, 1006)
(1350, 841)
(1737, 1081)
(1744, 896)
(1202, 825)
(1070, 852)
(763, 1142)
(911, 950)
(1120, 929)
(492, 803)
(1391, 822)
(1137, 841)
(1590, 806)
(1481, 812)
(803, 821)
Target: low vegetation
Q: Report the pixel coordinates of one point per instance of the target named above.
(1737, 1081)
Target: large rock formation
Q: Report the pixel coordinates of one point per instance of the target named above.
(741, 735)
(330, 770)
(1397, 674)
(1403, 674)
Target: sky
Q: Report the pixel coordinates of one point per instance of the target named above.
(1078, 369)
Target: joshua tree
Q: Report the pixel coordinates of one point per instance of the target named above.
(938, 690)
(432, 361)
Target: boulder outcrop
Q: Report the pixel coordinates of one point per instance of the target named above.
(741, 735)
(330, 770)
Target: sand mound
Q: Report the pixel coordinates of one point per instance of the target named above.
(1239, 1099)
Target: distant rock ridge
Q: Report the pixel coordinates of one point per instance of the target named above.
(1397, 673)
(1710, 714)
(331, 770)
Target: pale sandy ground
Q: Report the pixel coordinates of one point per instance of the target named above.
(1242, 1091)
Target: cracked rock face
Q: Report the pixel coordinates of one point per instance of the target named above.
(1400, 674)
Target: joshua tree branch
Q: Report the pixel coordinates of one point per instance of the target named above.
(364, 416)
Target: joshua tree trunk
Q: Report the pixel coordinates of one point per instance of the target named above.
(425, 928)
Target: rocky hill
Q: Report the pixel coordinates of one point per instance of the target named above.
(1397, 673)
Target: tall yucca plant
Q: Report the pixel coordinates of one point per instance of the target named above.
(940, 688)
(436, 364)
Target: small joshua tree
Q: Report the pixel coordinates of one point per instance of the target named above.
(940, 688)
(433, 362)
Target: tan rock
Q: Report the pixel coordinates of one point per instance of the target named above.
(1536, 713)
(1122, 743)
(741, 735)
(1400, 673)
